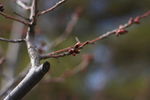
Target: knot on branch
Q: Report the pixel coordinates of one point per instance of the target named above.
(1, 7)
(121, 30)
(135, 20)
(75, 50)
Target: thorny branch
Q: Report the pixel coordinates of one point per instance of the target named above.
(73, 50)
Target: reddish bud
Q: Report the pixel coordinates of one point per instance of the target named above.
(121, 31)
(77, 45)
(137, 20)
(71, 51)
(131, 21)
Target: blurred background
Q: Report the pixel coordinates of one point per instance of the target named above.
(117, 68)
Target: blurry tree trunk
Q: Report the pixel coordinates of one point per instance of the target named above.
(12, 55)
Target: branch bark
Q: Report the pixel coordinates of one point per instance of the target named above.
(32, 78)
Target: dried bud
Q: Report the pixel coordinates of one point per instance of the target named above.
(1, 7)
(77, 45)
(120, 31)
(131, 21)
(137, 20)
(71, 51)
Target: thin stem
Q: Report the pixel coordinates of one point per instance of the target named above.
(52, 8)
(73, 50)
(13, 18)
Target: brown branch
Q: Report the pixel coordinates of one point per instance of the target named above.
(12, 40)
(2, 60)
(70, 26)
(73, 50)
(86, 60)
(13, 18)
(52, 8)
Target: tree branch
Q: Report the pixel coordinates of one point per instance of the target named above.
(73, 50)
(2, 60)
(86, 60)
(12, 40)
(52, 8)
(13, 18)
(22, 5)
(34, 75)
(70, 26)
(16, 80)
(33, 53)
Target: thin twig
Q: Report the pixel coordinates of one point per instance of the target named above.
(73, 50)
(69, 28)
(86, 60)
(21, 16)
(12, 40)
(13, 18)
(52, 8)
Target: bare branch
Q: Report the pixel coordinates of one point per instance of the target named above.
(12, 40)
(11, 84)
(52, 8)
(33, 52)
(13, 18)
(34, 75)
(86, 60)
(70, 26)
(21, 16)
(73, 50)
(22, 5)
(2, 60)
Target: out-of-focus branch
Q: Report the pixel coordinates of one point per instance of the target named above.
(70, 26)
(22, 5)
(12, 40)
(73, 50)
(13, 18)
(86, 60)
(52, 8)
(2, 60)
